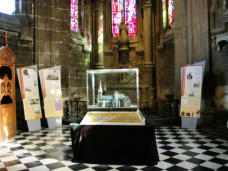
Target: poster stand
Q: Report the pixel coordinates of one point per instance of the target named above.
(33, 124)
(190, 122)
(53, 121)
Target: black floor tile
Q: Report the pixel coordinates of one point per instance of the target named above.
(169, 153)
(102, 168)
(218, 160)
(33, 164)
(126, 168)
(176, 168)
(189, 153)
(196, 161)
(201, 168)
(173, 161)
(55, 165)
(78, 166)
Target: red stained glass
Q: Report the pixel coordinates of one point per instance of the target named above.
(171, 13)
(74, 15)
(117, 15)
(130, 16)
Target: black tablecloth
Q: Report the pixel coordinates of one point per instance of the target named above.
(111, 144)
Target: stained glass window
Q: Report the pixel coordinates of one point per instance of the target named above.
(74, 15)
(168, 14)
(117, 15)
(171, 13)
(7, 7)
(164, 14)
(118, 11)
(130, 17)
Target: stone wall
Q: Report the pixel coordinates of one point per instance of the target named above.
(165, 70)
(219, 59)
(52, 37)
(44, 38)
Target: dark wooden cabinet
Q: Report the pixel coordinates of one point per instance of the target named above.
(7, 97)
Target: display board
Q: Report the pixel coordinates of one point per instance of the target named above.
(28, 81)
(51, 90)
(191, 88)
(113, 118)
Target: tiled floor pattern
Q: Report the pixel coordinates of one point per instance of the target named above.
(179, 149)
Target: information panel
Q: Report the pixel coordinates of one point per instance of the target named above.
(28, 81)
(51, 89)
(191, 91)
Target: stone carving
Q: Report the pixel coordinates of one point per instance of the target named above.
(123, 44)
(123, 39)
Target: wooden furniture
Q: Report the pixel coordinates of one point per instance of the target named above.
(7, 96)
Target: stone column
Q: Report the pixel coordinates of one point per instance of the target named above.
(99, 32)
(148, 58)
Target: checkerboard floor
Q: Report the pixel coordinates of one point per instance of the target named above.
(179, 149)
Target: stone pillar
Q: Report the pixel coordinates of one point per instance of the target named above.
(148, 58)
(99, 32)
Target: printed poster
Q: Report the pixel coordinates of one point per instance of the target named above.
(51, 89)
(191, 88)
(28, 81)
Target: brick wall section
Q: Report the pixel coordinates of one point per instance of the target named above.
(45, 40)
(78, 63)
(52, 36)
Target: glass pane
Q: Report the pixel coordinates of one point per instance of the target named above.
(164, 14)
(130, 17)
(74, 15)
(171, 13)
(7, 6)
(117, 93)
(132, 29)
(117, 15)
(116, 20)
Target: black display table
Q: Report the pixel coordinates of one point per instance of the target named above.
(112, 144)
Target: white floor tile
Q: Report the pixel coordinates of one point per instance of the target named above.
(181, 157)
(211, 165)
(163, 165)
(48, 161)
(186, 165)
(203, 157)
(28, 159)
(16, 167)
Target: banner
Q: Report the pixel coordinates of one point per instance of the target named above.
(28, 81)
(50, 79)
(191, 88)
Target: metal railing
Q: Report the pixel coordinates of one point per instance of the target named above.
(75, 110)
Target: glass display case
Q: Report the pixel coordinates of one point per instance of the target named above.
(112, 89)
(113, 97)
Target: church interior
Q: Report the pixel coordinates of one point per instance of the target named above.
(158, 37)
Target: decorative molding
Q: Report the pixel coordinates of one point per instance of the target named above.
(219, 38)
(147, 4)
(99, 4)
